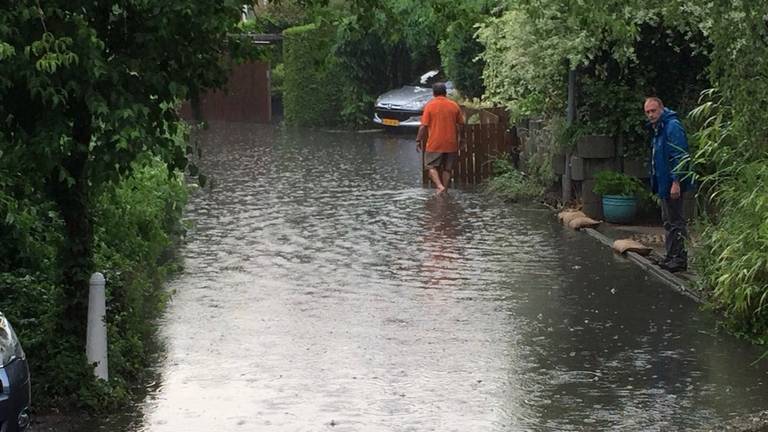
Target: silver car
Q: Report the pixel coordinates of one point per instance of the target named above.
(403, 107)
(14, 381)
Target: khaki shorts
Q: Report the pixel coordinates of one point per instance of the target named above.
(444, 161)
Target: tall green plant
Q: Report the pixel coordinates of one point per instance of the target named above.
(733, 259)
(734, 228)
(731, 154)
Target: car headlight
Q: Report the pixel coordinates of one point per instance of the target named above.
(414, 106)
(10, 348)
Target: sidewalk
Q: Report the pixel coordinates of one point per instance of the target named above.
(653, 237)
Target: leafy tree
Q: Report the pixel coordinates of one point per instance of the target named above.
(87, 87)
(622, 51)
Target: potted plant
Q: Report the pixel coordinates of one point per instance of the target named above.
(620, 194)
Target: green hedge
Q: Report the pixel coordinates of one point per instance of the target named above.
(312, 86)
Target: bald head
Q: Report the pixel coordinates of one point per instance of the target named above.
(653, 108)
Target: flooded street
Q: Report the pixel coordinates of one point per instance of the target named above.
(325, 289)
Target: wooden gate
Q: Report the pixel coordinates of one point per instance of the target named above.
(480, 144)
(245, 98)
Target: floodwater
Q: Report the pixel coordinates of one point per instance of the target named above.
(325, 290)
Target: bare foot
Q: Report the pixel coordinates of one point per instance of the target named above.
(440, 190)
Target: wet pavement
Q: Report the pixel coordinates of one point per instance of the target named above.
(325, 289)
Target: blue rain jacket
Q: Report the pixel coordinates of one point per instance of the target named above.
(670, 148)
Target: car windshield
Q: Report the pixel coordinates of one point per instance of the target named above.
(428, 78)
(6, 341)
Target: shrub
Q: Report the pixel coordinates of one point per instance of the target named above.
(616, 183)
(358, 107)
(135, 223)
(511, 184)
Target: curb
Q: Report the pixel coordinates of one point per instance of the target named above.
(668, 278)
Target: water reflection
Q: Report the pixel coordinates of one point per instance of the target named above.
(441, 231)
(324, 289)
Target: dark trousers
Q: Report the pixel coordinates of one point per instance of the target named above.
(676, 231)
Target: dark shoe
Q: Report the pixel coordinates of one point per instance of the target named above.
(673, 267)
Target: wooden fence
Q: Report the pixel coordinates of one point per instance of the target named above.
(480, 144)
(245, 98)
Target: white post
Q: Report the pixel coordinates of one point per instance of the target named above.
(96, 339)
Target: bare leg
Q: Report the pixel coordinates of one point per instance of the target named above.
(446, 178)
(435, 176)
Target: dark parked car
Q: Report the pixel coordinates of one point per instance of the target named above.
(15, 395)
(403, 107)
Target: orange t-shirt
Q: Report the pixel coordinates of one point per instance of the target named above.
(441, 117)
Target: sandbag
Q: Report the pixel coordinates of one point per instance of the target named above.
(583, 222)
(567, 216)
(628, 245)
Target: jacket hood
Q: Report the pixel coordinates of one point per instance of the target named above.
(667, 115)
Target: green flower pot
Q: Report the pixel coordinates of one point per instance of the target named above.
(619, 208)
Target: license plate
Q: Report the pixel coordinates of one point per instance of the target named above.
(390, 122)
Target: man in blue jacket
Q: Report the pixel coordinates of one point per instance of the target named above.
(669, 179)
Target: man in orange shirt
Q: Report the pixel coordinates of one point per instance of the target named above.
(440, 122)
